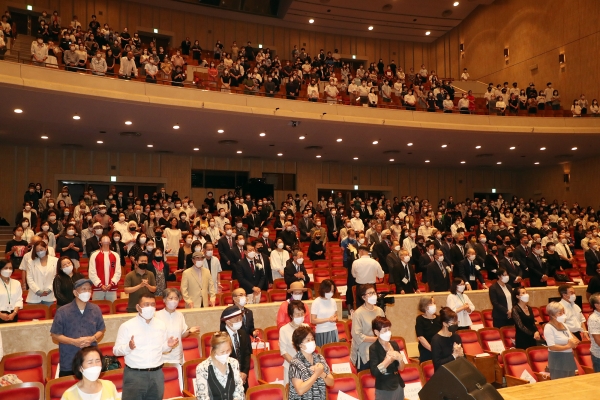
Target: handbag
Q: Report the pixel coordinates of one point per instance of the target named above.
(109, 363)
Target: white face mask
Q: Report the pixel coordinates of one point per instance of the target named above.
(431, 309)
(236, 326)
(196, 232)
(222, 358)
(372, 299)
(172, 304)
(70, 232)
(265, 234)
(525, 298)
(251, 254)
(92, 373)
(310, 347)
(6, 273)
(361, 240)
(299, 260)
(148, 312)
(460, 288)
(41, 253)
(188, 240)
(329, 295)
(198, 264)
(561, 318)
(299, 320)
(297, 296)
(471, 257)
(441, 259)
(430, 251)
(242, 301)
(208, 253)
(406, 259)
(280, 245)
(572, 298)
(142, 240)
(397, 248)
(68, 270)
(504, 278)
(85, 296)
(385, 336)
(228, 232)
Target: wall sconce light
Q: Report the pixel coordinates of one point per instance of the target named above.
(506, 52)
(461, 47)
(561, 58)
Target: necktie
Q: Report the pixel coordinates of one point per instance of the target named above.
(242, 253)
(267, 243)
(443, 269)
(236, 344)
(567, 249)
(229, 240)
(406, 272)
(334, 228)
(252, 267)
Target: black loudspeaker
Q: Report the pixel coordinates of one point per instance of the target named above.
(458, 380)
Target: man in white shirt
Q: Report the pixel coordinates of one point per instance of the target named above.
(357, 223)
(142, 341)
(128, 67)
(456, 225)
(565, 254)
(463, 104)
(365, 269)
(409, 243)
(426, 229)
(312, 91)
(331, 91)
(39, 52)
(98, 65)
(575, 321)
(151, 70)
(465, 75)
(548, 92)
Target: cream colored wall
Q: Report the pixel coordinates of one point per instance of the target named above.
(535, 32)
(22, 165)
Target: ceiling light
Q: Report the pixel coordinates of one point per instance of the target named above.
(239, 152)
(262, 134)
(427, 33)
(310, 21)
(76, 117)
(356, 158)
(196, 149)
(18, 110)
(536, 163)
(220, 131)
(463, 162)
(44, 137)
(279, 154)
(375, 141)
(410, 144)
(456, 3)
(339, 140)
(99, 142)
(150, 145)
(542, 148)
(391, 160)
(573, 148)
(175, 126)
(128, 122)
(512, 148)
(370, 28)
(499, 162)
(444, 146)
(318, 156)
(477, 147)
(302, 137)
(427, 161)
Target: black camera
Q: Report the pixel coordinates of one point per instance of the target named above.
(383, 300)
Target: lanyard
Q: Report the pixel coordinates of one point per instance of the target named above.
(8, 291)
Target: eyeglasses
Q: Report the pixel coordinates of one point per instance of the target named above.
(369, 294)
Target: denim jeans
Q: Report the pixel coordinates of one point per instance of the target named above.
(596, 363)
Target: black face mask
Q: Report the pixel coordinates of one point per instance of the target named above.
(453, 328)
(158, 234)
(463, 242)
(132, 228)
(509, 254)
(143, 266)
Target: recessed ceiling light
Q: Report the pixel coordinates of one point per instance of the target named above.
(426, 160)
(456, 3)
(196, 149)
(542, 148)
(375, 141)
(279, 154)
(573, 148)
(391, 160)
(175, 126)
(409, 144)
(262, 134)
(318, 156)
(76, 117)
(310, 21)
(512, 148)
(477, 147)
(463, 162)
(427, 33)
(220, 131)
(99, 142)
(18, 110)
(536, 163)
(499, 162)
(44, 137)
(128, 122)
(239, 152)
(370, 28)
(339, 140)
(444, 146)
(302, 137)
(356, 158)
(150, 145)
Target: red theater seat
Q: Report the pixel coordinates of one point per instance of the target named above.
(270, 365)
(189, 374)
(106, 306)
(367, 383)
(337, 353)
(584, 356)
(205, 343)
(508, 336)
(342, 329)
(33, 311)
(29, 366)
(538, 359)
(172, 388)
(347, 383)
(267, 392)
(56, 387)
(52, 361)
(427, 368)
(107, 350)
(515, 362)
(272, 335)
(488, 321)
(23, 391)
(191, 348)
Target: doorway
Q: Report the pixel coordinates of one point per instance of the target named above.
(159, 40)
(26, 21)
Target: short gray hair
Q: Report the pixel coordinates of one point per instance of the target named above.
(594, 299)
(553, 308)
(170, 290)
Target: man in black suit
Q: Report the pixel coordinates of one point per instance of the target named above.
(436, 238)
(241, 350)
(237, 209)
(92, 244)
(237, 251)
(253, 221)
(520, 254)
(305, 225)
(294, 271)
(266, 263)
(439, 222)
(538, 269)
(438, 273)
(592, 258)
(334, 224)
(290, 240)
(250, 274)
(481, 247)
(457, 252)
(267, 244)
(239, 300)
(138, 216)
(447, 247)
(501, 314)
(401, 271)
(514, 271)
(426, 259)
(492, 262)
(469, 270)
(225, 244)
(382, 249)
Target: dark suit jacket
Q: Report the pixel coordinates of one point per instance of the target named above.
(391, 378)
(305, 229)
(480, 250)
(520, 256)
(235, 254)
(424, 261)
(271, 245)
(398, 273)
(457, 255)
(266, 262)
(225, 252)
(500, 306)
(591, 260)
(435, 278)
(446, 247)
(247, 322)
(491, 265)
(513, 271)
(245, 350)
(237, 210)
(381, 251)
(464, 271)
(536, 270)
(143, 217)
(247, 279)
(440, 225)
(92, 244)
(290, 270)
(253, 221)
(338, 226)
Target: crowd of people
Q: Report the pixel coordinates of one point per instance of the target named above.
(500, 245)
(321, 76)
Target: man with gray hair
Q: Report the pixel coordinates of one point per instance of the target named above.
(197, 286)
(594, 330)
(575, 321)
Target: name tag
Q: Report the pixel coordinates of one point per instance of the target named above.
(405, 281)
(471, 277)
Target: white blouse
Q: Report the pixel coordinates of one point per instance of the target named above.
(555, 337)
(455, 301)
(11, 295)
(278, 261)
(173, 236)
(40, 278)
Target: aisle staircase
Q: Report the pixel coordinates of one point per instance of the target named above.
(5, 235)
(21, 49)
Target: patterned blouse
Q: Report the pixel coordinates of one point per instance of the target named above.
(300, 369)
(202, 389)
